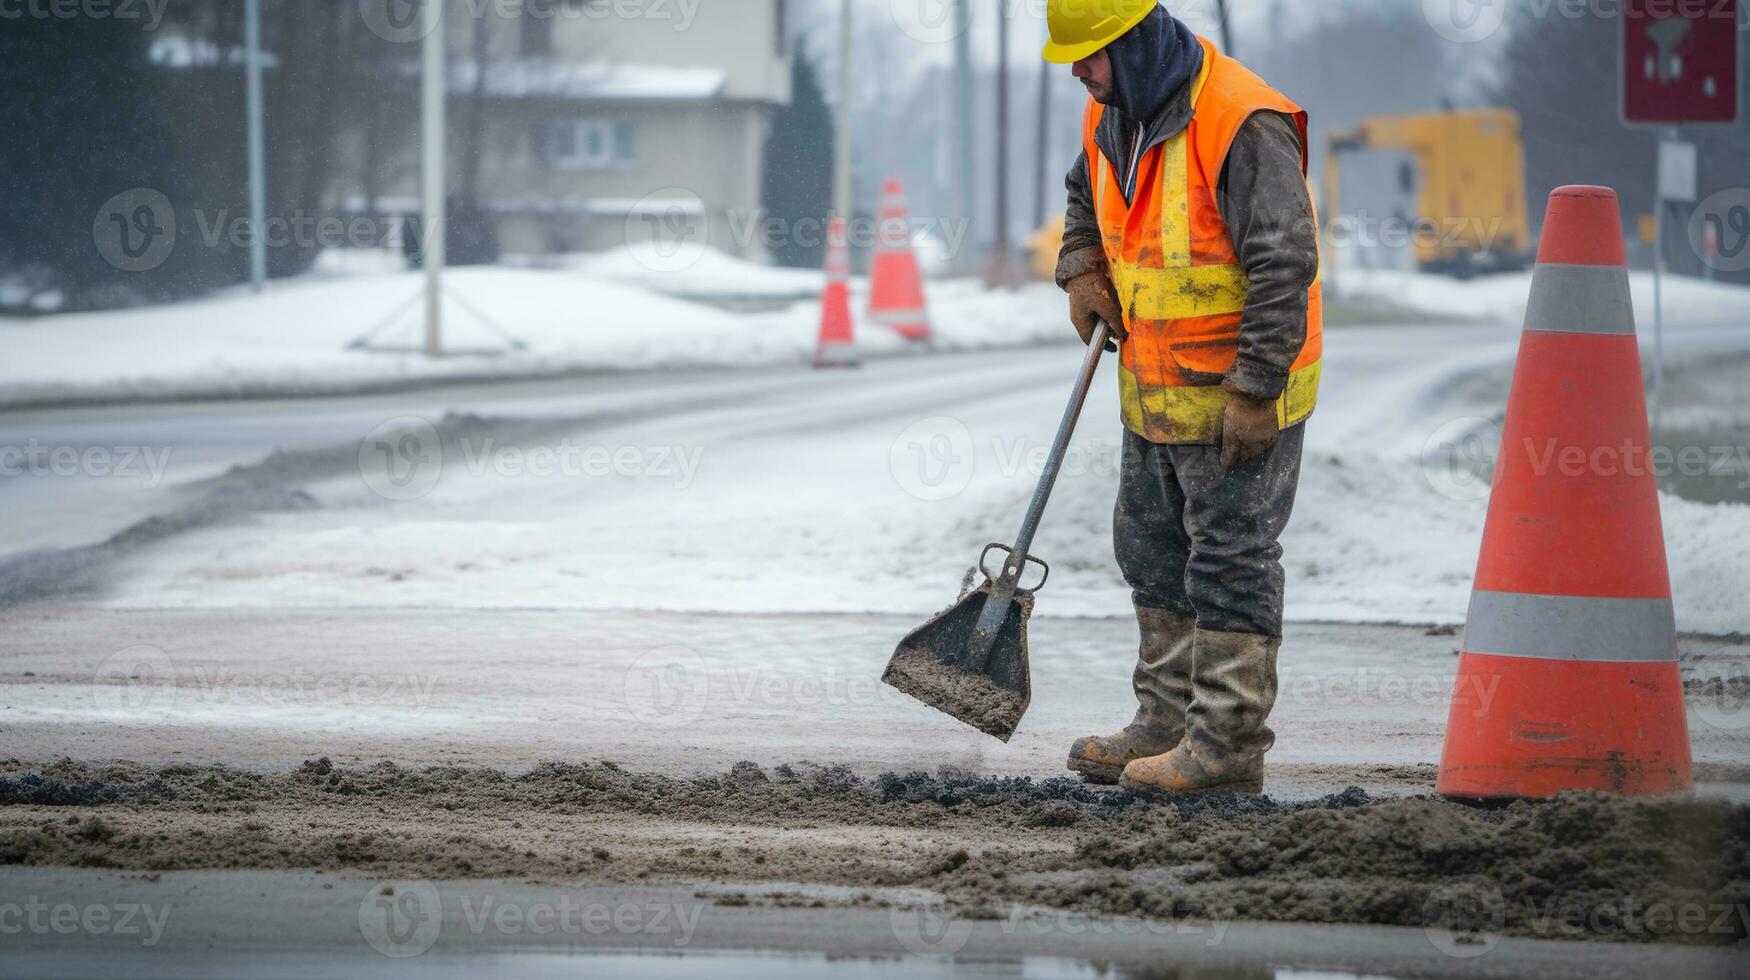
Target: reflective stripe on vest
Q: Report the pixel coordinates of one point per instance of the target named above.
(1172, 262)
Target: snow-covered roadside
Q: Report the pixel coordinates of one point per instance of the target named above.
(873, 491)
(1503, 297)
(294, 338)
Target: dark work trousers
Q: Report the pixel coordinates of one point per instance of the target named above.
(1201, 542)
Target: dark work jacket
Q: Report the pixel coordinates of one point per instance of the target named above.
(1263, 199)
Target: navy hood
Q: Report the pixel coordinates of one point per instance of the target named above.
(1150, 63)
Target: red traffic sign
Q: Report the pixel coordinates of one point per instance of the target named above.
(1680, 61)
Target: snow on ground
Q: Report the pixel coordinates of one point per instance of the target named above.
(1503, 297)
(711, 273)
(295, 337)
(796, 491)
(872, 491)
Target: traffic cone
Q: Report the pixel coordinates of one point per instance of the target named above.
(1567, 678)
(838, 346)
(896, 289)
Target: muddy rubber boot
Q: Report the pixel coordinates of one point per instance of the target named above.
(1234, 679)
(1162, 682)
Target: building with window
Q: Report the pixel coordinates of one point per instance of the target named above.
(600, 121)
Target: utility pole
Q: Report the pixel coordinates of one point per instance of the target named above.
(431, 103)
(257, 146)
(1041, 149)
(963, 109)
(842, 146)
(1001, 276)
(1227, 34)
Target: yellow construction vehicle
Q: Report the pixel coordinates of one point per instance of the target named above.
(1042, 248)
(1469, 174)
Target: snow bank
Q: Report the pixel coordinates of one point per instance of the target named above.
(294, 338)
(1503, 297)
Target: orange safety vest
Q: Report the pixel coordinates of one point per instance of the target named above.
(1173, 264)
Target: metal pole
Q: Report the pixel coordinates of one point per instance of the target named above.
(842, 147)
(432, 90)
(257, 146)
(1041, 149)
(1227, 34)
(1000, 276)
(963, 109)
(1658, 393)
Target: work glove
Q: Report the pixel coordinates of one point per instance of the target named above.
(1248, 428)
(1091, 299)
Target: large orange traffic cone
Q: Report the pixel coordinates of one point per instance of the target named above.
(837, 346)
(896, 289)
(1568, 675)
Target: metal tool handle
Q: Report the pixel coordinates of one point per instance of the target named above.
(1004, 587)
(1059, 448)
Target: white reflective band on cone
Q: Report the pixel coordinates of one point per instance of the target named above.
(899, 317)
(1560, 627)
(1580, 299)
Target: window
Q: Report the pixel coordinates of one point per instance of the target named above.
(780, 26)
(591, 144)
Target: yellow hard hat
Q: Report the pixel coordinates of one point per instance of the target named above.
(1081, 27)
